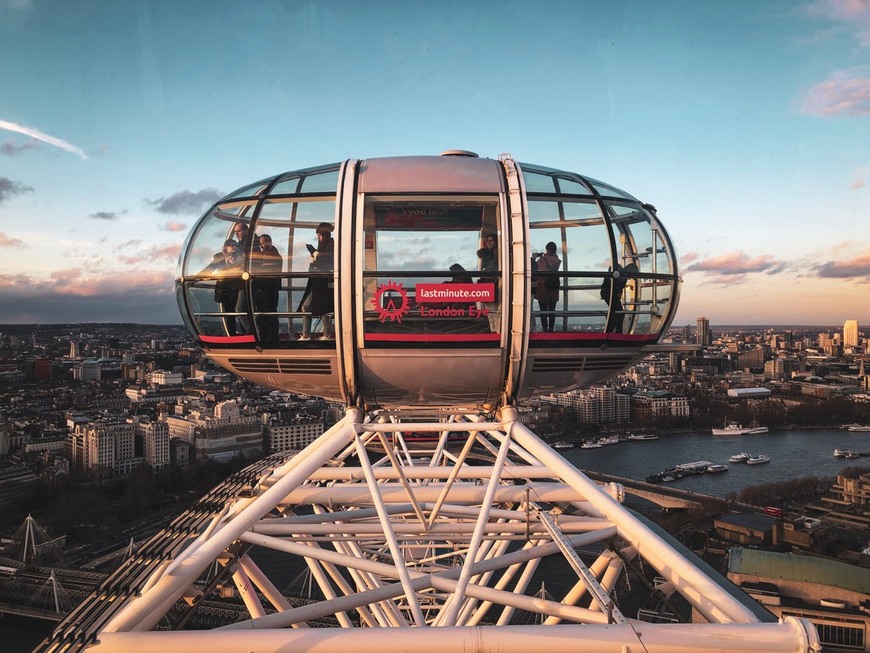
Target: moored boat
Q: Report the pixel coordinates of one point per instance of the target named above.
(698, 467)
(858, 427)
(562, 444)
(610, 439)
(589, 444)
(717, 468)
(640, 437)
(733, 428)
(741, 457)
(760, 459)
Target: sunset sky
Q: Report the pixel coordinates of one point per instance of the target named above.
(747, 124)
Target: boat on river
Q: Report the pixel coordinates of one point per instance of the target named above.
(858, 427)
(760, 459)
(562, 444)
(733, 428)
(846, 453)
(641, 437)
(741, 457)
(697, 467)
(589, 444)
(610, 439)
(713, 469)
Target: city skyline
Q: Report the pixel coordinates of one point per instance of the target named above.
(747, 129)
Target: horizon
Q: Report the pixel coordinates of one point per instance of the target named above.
(761, 179)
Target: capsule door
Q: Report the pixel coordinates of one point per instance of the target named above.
(430, 295)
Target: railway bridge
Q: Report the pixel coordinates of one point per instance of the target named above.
(666, 497)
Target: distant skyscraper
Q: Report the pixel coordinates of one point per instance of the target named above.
(850, 333)
(702, 335)
(73, 349)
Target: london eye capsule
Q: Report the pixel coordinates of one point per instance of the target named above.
(452, 281)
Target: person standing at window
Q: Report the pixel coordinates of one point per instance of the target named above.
(488, 255)
(319, 299)
(248, 246)
(547, 286)
(266, 266)
(227, 264)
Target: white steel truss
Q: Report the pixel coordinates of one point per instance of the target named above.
(426, 535)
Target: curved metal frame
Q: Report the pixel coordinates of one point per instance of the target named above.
(410, 543)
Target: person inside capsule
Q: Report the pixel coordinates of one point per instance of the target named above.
(266, 261)
(248, 243)
(547, 285)
(227, 262)
(318, 299)
(488, 255)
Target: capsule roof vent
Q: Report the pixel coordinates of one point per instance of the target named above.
(472, 155)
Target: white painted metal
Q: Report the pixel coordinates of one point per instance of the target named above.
(786, 637)
(414, 547)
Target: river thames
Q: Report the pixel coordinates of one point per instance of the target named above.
(793, 454)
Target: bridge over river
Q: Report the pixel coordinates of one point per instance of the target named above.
(669, 497)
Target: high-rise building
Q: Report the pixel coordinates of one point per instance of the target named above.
(850, 333)
(155, 441)
(606, 397)
(104, 446)
(702, 334)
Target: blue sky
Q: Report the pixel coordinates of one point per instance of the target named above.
(746, 123)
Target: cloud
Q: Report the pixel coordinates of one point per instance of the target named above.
(186, 201)
(81, 282)
(105, 215)
(152, 254)
(856, 267)
(859, 181)
(11, 149)
(9, 188)
(19, 5)
(45, 138)
(855, 13)
(733, 268)
(8, 241)
(172, 225)
(76, 295)
(843, 93)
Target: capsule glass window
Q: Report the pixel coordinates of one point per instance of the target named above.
(430, 268)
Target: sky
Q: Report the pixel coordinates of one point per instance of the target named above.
(746, 123)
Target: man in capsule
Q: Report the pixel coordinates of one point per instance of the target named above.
(248, 245)
(266, 266)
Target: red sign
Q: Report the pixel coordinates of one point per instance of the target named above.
(454, 293)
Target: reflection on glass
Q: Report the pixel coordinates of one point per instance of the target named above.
(405, 242)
